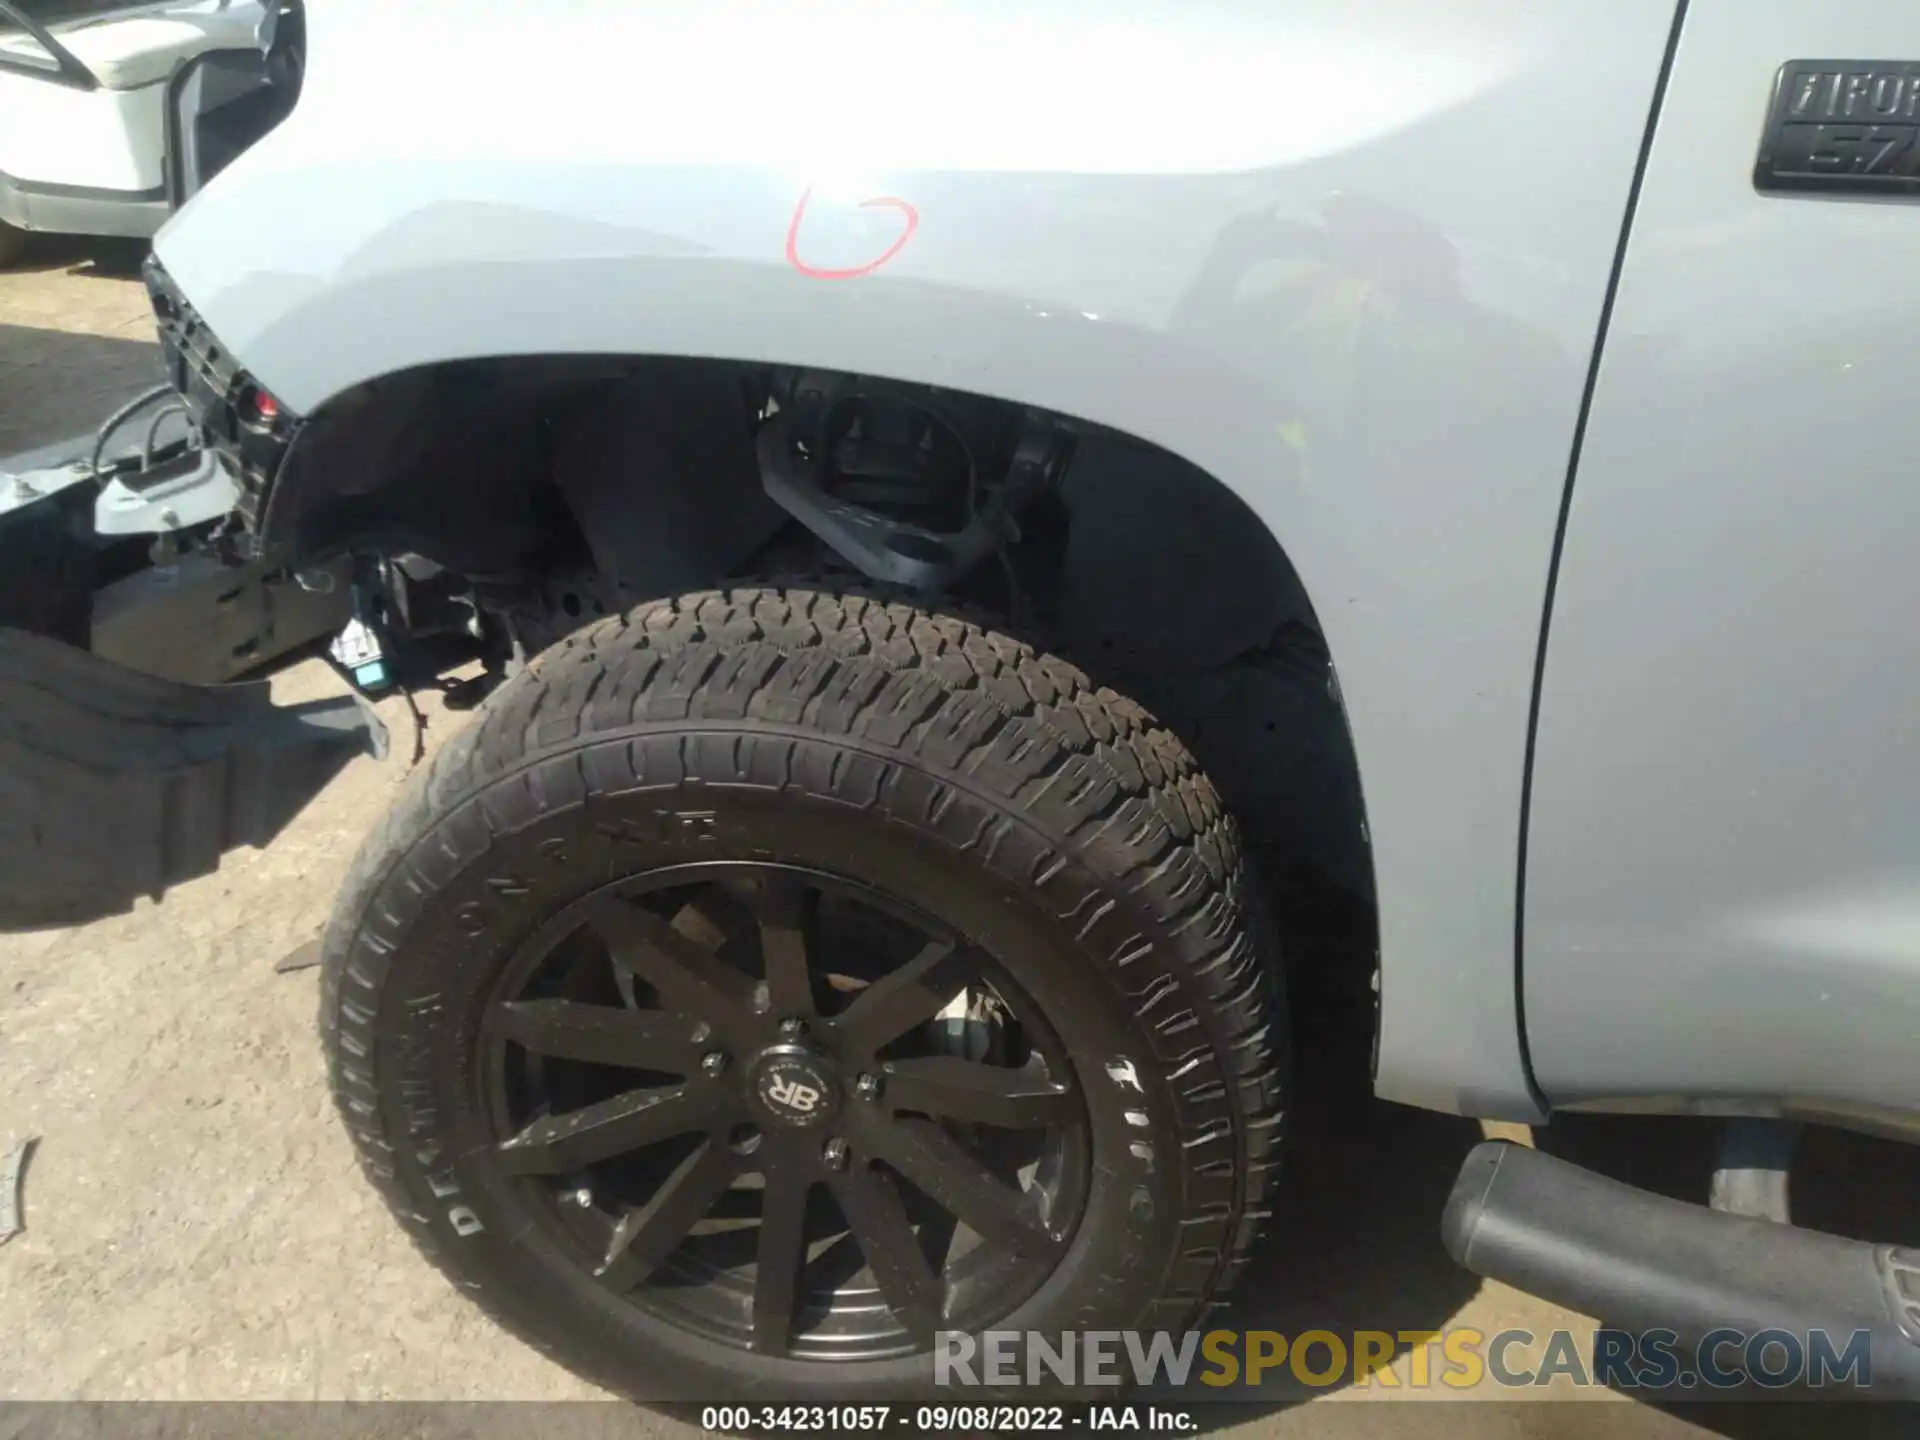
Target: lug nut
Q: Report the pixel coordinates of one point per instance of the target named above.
(834, 1152)
(867, 1087)
(793, 1029)
(582, 1197)
(714, 1064)
(702, 1032)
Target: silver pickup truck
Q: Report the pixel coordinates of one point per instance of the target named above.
(957, 499)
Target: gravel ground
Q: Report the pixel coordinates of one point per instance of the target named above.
(76, 337)
(196, 1226)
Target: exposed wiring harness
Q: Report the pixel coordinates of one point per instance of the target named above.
(174, 406)
(120, 417)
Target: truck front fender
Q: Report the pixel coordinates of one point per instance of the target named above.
(1346, 256)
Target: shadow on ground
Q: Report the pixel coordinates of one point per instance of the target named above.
(69, 353)
(100, 256)
(54, 384)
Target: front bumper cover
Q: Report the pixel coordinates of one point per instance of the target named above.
(116, 785)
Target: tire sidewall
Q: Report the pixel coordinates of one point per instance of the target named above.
(449, 916)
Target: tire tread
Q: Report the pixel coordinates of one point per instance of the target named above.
(1088, 767)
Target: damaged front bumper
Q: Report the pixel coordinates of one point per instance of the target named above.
(244, 425)
(115, 785)
(124, 560)
(127, 762)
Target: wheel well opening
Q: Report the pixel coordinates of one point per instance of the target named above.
(564, 488)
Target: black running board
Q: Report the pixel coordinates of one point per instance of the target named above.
(116, 785)
(1641, 1262)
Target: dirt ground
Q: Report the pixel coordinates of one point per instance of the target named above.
(196, 1227)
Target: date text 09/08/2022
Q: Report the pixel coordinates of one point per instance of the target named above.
(944, 1419)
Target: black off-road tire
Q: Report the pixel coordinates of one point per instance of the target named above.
(913, 752)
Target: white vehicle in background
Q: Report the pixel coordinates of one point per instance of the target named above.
(88, 94)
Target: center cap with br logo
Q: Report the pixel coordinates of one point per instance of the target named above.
(794, 1085)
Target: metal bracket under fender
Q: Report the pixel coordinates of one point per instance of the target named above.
(115, 784)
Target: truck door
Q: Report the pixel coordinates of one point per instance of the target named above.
(1722, 862)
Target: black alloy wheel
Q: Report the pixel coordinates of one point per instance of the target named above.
(785, 1111)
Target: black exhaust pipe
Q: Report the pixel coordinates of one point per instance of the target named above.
(1641, 1262)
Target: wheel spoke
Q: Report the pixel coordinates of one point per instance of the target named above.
(645, 1236)
(783, 1255)
(956, 1089)
(696, 1070)
(600, 1034)
(783, 944)
(879, 1223)
(903, 998)
(557, 1143)
(935, 1162)
(690, 979)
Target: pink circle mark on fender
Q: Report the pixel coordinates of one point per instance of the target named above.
(814, 272)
